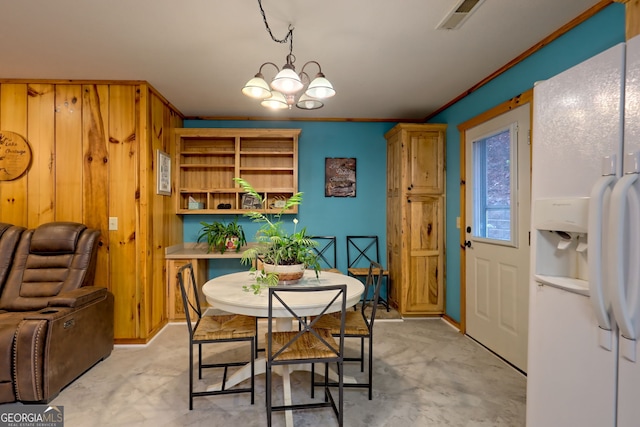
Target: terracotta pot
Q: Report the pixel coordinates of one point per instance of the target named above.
(287, 274)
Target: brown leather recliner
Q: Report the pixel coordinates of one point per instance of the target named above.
(9, 236)
(54, 325)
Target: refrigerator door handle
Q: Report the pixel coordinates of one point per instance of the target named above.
(597, 201)
(625, 288)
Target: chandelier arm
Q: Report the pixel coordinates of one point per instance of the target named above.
(311, 62)
(304, 77)
(267, 63)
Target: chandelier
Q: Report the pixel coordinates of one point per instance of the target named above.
(288, 87)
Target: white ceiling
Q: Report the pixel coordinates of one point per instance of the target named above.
(385, 58)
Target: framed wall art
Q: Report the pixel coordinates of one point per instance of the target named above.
(249, 201)
(163, 178)
(339, 177)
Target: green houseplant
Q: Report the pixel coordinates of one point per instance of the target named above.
(275, 245)
(222, 236)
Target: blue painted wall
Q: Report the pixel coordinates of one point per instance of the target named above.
(339, 216)
(589, 38)
(365, 213)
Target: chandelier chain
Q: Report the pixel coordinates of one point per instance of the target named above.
(288, 37)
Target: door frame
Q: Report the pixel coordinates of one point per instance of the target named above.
(511, 104)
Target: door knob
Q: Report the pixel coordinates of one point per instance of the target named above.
(467, 243)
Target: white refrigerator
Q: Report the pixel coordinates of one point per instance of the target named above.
(583, 359)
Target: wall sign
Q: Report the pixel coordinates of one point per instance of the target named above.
(339, 177)
(15, 155)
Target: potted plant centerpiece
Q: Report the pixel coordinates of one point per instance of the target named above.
(222, 236)
(284, 255)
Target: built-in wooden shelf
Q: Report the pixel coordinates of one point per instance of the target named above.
(207, 160)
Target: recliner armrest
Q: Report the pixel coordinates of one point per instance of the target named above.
(68, 302)
(55, 345)
(77, 297)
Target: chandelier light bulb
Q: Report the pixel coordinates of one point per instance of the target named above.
(257, 88)
(320, 88)
(276, 101)
(308, 103)
(287, 81)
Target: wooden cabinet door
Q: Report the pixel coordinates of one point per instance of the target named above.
(175, 306)
(426, 162)
(394, 165)
(426, 255)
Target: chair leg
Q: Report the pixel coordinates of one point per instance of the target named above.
(388, 293)
(370, 367)
(313, 379)
(326, 382)
(224, 378)
(256, 340)
(253, 373)
(190, 376)
(199, 361)
(361, 354)
(268, 394)
(340, 393)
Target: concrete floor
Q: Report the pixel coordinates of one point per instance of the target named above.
(425, 374)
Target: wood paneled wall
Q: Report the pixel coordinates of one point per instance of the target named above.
(93, 157)
(632, 17)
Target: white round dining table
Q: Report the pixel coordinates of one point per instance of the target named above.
(227, 293)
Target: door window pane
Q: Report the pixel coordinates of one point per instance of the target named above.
(493, 186)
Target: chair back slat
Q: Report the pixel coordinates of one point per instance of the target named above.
(280, 294)
(373, 281)
(189, 290)
(326, 251)
(362, 250)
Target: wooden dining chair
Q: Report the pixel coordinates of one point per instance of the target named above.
(358, 324)
(326, 252)
(308, 345)
(214, 329)
(361, 251)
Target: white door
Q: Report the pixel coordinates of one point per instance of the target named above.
(497, 234)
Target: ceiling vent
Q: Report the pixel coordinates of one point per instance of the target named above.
(459, 14)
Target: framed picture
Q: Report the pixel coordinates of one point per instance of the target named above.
(163, 178)
(249, 201)
(339, 177)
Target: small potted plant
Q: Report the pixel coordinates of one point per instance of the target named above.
(276, 247)
(222, 236)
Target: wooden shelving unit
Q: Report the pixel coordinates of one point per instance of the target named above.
(207, 160)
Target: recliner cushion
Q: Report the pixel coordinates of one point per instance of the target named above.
(9, 237)
(56, 238)
(36, 277)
